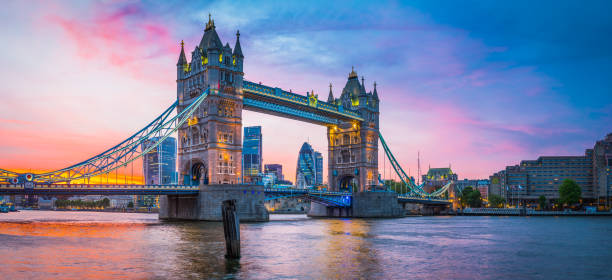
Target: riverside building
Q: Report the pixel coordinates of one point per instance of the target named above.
(525, 183)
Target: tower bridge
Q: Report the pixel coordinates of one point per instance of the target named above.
(211, 94)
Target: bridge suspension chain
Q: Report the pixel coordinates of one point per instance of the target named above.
(415, 190)
(121, 154)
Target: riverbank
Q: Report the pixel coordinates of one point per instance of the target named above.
(526, 212)
(111, 210)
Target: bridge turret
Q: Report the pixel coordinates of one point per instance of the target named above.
(181, 62)
(363, 96)
(374, 100)
(238, 57)
(330, 98)
(209, 147)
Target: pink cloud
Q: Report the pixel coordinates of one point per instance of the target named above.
(125, 37)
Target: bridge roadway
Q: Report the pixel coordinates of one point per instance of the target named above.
(342, 199)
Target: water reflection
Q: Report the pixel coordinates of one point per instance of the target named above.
(348, 250)
(52, 245)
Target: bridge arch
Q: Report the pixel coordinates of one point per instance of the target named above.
(348, 183)
(198, 173)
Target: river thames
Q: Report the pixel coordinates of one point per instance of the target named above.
(91, 245)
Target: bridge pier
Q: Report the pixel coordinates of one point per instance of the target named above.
(364, 205)
(206, 206)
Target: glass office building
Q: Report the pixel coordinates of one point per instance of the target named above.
(251, 152)
(159, 167)
(309, 171)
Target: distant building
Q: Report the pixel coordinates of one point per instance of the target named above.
(318, 169)
(526, 182)
(268, 179)
(159, 167)
(602, 171)
(252, 153)
(309, 167)
(437, 178)
(276, 169)
(481, 185)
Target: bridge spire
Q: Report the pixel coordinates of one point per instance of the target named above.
(330, 98)
(352, 74)
(210, 24)
(375, 92)
(182, 59)
(237, 48)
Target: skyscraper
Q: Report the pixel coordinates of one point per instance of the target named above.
(318, 169)
(159, 167)
(309, 170)
(159, 164)
(251, 152)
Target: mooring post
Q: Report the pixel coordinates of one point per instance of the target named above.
(231, 228)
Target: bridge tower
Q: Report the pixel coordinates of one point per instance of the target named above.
(210, 148)
(353, 147)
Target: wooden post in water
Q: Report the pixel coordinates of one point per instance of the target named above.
(231, 229)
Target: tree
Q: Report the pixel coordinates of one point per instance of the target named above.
(569, 192)
(105, 202)
(471, 197)
(542, 202)
(496, 201)
(130, 204)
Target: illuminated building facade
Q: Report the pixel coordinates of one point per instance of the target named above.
(353, 147)
(209, 147)
(251, 153)
(437, 178)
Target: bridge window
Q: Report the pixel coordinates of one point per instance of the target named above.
(353, 157)
(346, 140)
(356, 140)
(225, 137)
(225, 166)
(346, 156)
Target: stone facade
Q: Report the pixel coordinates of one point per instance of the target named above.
(209, 146)
(206, 206)
(353, 147)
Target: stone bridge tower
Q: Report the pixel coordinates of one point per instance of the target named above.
(353, 147)
(209, 145)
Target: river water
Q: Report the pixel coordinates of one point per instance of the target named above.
(90, 245)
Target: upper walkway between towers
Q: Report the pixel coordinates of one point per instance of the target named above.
(309, 108)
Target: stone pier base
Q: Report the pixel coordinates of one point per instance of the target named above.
(364, 205)
(207, 205)
(322, 211)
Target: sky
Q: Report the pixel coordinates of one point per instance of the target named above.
(476, 85)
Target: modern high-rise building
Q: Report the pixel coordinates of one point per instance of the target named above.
(159, 164)
(318, 169)
(251, 153)
(531, 179)
(276, 169)
(159, 167)
(309, 170)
